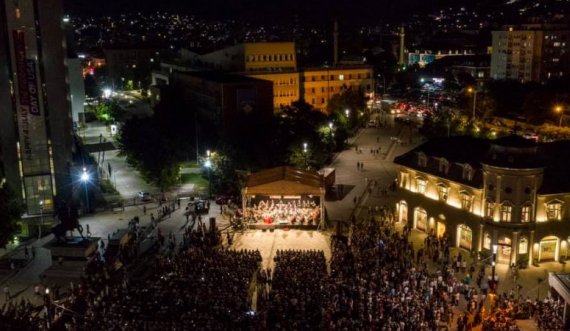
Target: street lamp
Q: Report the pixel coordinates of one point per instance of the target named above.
(85, 177)
(560, 110)
(493, 264)
(347, 112)
(41, 219)
(474, 91)
(305, 154)
(208, 165)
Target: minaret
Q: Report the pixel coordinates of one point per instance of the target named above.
(402, 34)
(335, 43)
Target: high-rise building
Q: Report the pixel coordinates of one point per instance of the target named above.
(531, 52)
(35, 111)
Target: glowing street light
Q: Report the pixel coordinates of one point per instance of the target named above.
(85, 178)
(208, 165)
(559, 109)
(474, 91)
(347, 112)
(107, 93)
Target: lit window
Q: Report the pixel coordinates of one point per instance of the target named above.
(523, 246)
(487, 241)
(466, 201)
(554, 211)
(525, 214)
(506, 212)
(341, 77)
(442, 191)
(421, 185)
(490, 208)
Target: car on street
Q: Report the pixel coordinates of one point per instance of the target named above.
(372, 124)
(144, 196)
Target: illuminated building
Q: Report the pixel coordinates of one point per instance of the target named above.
(277, 62)
(36, 127)
(531, 52)
(511, 192)
(320, 84)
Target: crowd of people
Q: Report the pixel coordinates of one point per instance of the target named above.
(295, 294)
(292, 212)
(375, 280)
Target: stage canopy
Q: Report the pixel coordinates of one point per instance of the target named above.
(284, 181)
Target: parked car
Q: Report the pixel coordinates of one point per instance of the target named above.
(144, 196)
(372, 124)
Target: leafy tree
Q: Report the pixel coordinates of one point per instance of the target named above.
(10, 211)
(150, 152)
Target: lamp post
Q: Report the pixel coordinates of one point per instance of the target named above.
(208, 165)
(474, 91)
(559, 110)
(493, 264)
(85, 179)
(41, 219)
(331, 131)
(305, 154)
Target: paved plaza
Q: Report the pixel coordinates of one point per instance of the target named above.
(391, 138)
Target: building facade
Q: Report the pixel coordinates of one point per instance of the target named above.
(531, 53)
(509, 192)
(319, 85)
(36, 126)
(277, 62)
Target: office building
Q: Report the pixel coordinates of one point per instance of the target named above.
(531, 52)
(35, 110)
(277, 62)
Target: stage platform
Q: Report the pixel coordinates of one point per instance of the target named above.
(273, 226)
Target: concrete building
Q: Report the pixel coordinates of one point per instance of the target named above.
(509, 192)
(35, 111)
(319, 85)
(531, 52)
(219, 98)
(277, 62)
(76, 89)
(130, 67)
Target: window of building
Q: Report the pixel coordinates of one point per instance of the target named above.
(467, 172)
(312, 90)
(466, 199)
(523, 246)
(525, 213)
(487, 241)
(422, 160)
(421, 185)
(443, 165)
(332, 77)
(489, 208)
(554, 210)
(341, 77)
(506, 212)
(442, 191)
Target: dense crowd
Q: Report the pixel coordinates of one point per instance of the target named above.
(375, 281)
(295, 297)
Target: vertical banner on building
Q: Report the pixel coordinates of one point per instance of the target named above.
(23, 95)
(32, 129)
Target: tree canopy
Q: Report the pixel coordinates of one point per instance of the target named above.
(10, 211)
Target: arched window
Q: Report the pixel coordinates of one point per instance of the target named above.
(554, 210)
(523, 246)
(487, 241)
(442, 191)
(443, 165)
(490, 208)
(421, 185)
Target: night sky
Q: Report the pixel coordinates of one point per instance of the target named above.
(354, 10)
